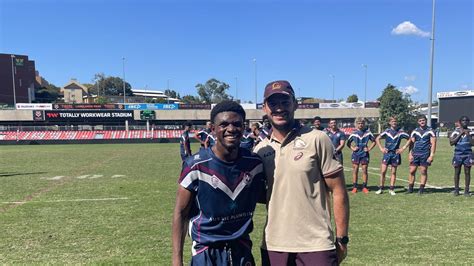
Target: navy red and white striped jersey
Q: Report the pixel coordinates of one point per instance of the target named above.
(225, 195)
(393, 138)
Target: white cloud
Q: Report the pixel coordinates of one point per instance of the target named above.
(410, 78)
(408, 28)
(409, 90)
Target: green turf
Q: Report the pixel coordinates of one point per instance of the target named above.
(63, 221)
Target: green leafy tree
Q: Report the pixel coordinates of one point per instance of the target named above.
(190, 99)
(213, 91)
(394, 103)
(109, 86)
(47, 94)
(352, 98)
(172, 94)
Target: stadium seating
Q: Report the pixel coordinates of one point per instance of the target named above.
(89, 135)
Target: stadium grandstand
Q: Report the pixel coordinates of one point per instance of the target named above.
(142, 122)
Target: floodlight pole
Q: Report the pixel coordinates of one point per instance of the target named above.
(430, 89)
(123, 78)
(255, 66)
(13, 81)
(365, 83)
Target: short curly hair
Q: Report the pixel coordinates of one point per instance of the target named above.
(227, 106)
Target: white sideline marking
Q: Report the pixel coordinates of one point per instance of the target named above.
(71, 200)
(59, 177)
(82, 176)
(115, 176)
(401, 179)
(95, 176)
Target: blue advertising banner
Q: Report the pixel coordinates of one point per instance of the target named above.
(151, 106)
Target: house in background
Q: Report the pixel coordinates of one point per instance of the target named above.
(74, 92)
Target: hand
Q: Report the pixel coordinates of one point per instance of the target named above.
(366, 149)
(430, 159)
(354, 148)
(399, 151)
(385, 151)
(341, 251)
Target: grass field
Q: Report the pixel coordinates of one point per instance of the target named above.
(75, 204)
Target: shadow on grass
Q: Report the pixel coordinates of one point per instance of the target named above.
(18, 174)
(403, 189)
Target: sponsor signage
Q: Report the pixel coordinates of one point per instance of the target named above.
(198, 106)
(341, 105)
(102, 115)
(451, 94)
(38, 115)
(19, 61)
(308, 105)
(85, 106)
(34, 106)
(151, 106)
(372, 104)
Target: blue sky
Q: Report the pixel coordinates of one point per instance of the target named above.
(305, 42)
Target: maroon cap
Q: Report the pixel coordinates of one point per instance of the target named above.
(279, 86)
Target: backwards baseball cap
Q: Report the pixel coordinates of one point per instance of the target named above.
(279, 86)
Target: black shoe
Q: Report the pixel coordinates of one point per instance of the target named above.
(410, 190)
(420, 192)
(467, 194)
(455, 192)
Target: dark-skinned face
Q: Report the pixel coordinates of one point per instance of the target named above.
(464, 122)
(228, 129)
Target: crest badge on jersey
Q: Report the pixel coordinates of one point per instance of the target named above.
(247, 178)
(299, 144)
(214, 181)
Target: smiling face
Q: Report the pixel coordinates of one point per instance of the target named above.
(228, 129)
(332, 125)
(280, 109)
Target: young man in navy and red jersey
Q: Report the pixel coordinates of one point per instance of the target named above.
(317, 123)
(248, 138)
(338, 139)
(391, 153)
(202, 136)
(462, 139)
(422, 154)
(218, 191)
(184, 142)
(360, 152)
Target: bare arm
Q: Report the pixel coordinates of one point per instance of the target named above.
(377, 140)
(341, 145)
(371, 146)
(433, 148)
(337, 186)
(196, 136)
(407, 144)
(180, 220)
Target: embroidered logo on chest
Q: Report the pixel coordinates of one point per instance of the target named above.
(298, 156)
(299, 144)
(214, 181)
(247, 178)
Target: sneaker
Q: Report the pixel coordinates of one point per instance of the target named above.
(392, 192)
(410, 190)
(467, 194)
(365, 190)
(378, 192)
(455, 192)
(420, 192)
(354, 190)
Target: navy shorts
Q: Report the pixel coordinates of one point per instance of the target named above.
(465, 160)
(420, 160)
(237, 253)
(392, 159)
(360, 159)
